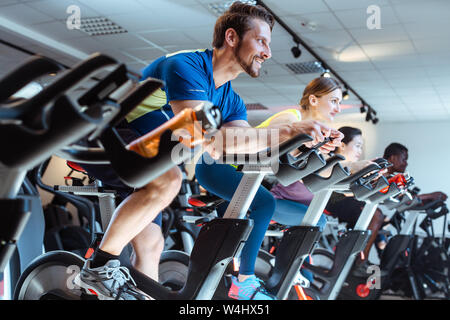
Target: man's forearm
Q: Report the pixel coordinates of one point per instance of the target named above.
(240, 140)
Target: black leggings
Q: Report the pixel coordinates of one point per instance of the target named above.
(346, 210)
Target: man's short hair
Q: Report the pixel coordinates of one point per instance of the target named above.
(394, 149)
(239, 17)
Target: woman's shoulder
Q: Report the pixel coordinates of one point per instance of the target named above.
(288, 115)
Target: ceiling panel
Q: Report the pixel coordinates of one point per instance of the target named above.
(351, 4)
(57, 9)
(397, 61)
(111, 7)
(57, 30)
(169, 37)
(312, 22)
(286, 7)
(357, 18)
(428, 11)
(389, 33)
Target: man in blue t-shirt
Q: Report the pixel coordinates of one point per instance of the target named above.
(189, 76)
(241, 44)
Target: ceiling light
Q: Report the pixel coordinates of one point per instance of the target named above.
(296, 52)
(362, 109)
(375, 120)
(326, 74)
(368, 115)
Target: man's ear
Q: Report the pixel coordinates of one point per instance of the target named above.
(392, 159)
(231, 37)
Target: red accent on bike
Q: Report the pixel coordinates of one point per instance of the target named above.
(301, 293)
(362, 290)
(406, 253)
(272, 249)
(89, 253)
(399, 179)
(75, 166)
(196, 202)
(93, 292)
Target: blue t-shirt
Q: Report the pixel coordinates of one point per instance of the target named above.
(188, 75)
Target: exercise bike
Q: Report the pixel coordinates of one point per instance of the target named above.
(409, 269)
(329, 280)
(37, 127)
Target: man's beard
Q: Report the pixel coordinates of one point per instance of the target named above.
(247, 67)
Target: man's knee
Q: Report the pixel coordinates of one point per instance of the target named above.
(167, 185)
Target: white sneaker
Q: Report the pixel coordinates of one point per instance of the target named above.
(109, 282)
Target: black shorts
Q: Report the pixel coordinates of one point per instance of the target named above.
(106, 174)
(346, 210)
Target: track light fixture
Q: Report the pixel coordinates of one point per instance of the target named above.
(296, 52)
(345, 95)
(368, 115)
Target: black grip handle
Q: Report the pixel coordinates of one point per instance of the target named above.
(27, 148)
(104, 87)
(36, 110)
(267, 157)
(437, 214)
(293, 143)
(83, 155)
(135, 170)
(314, 182)
(288, 174)
(361, 173)
(364, 191)
(304, 152)
(379, 196)
(35, 67)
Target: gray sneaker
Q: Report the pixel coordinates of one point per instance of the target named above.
(109, 282)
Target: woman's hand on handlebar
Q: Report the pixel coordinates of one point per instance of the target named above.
(318, 131)
(335, 141)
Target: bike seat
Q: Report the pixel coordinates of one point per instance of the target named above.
(75, 166)
(205, 201)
